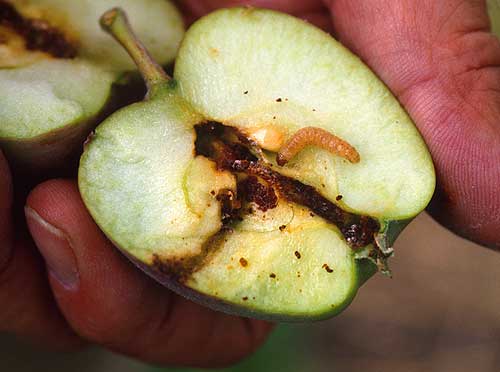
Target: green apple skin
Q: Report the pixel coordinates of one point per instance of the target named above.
(49, 105)
(494, 13)
(155, 198)
(54, 150)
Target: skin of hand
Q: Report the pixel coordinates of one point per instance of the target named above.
(437, 57)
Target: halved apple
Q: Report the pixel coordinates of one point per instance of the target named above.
(57, 70)
(187, 184)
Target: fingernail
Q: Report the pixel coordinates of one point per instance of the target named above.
(54, 246)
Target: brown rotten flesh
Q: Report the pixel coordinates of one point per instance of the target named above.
(261, 184)
(32, 34)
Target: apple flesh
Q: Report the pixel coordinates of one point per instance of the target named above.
(186, 183)
(58, 72)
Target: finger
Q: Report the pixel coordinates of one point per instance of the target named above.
(440, 60)
(313, 11)
(27, 307)
(108, 301)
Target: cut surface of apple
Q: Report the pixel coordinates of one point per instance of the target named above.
(187, 184)
(57, 70)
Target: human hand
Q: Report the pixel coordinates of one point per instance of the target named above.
(95, 295)
(443, 65)
(437, 58)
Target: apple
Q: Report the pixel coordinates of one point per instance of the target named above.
(58, 71)
(268, 178)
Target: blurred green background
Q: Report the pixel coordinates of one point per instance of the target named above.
(440, 312)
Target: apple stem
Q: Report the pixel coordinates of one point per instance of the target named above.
(116, 23)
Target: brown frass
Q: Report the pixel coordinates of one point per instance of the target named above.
(38, 34)
(262, 195)
(229, 205)
(224, 145)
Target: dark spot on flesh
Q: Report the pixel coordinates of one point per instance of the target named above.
(174, 268)
(245, 92)
(282, 227)
(180, 269)
(279, 100)
(229, 205)
(360, 233)
(314, 109)
(272, 275)
(327, 268)
(38, 34)
(243, 262)
(222, 144)
(297, 254)
(212, 193)
(263, 196)
(245, 298)
(264, 184)
(311, 214)
(339, 198)
(274, 117)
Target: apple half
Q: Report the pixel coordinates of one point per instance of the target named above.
(58, 69)
(190, 186)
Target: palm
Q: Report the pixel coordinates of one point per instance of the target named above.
(443, 64)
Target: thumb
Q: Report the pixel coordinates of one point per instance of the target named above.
(27, 308)
(110, 302)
